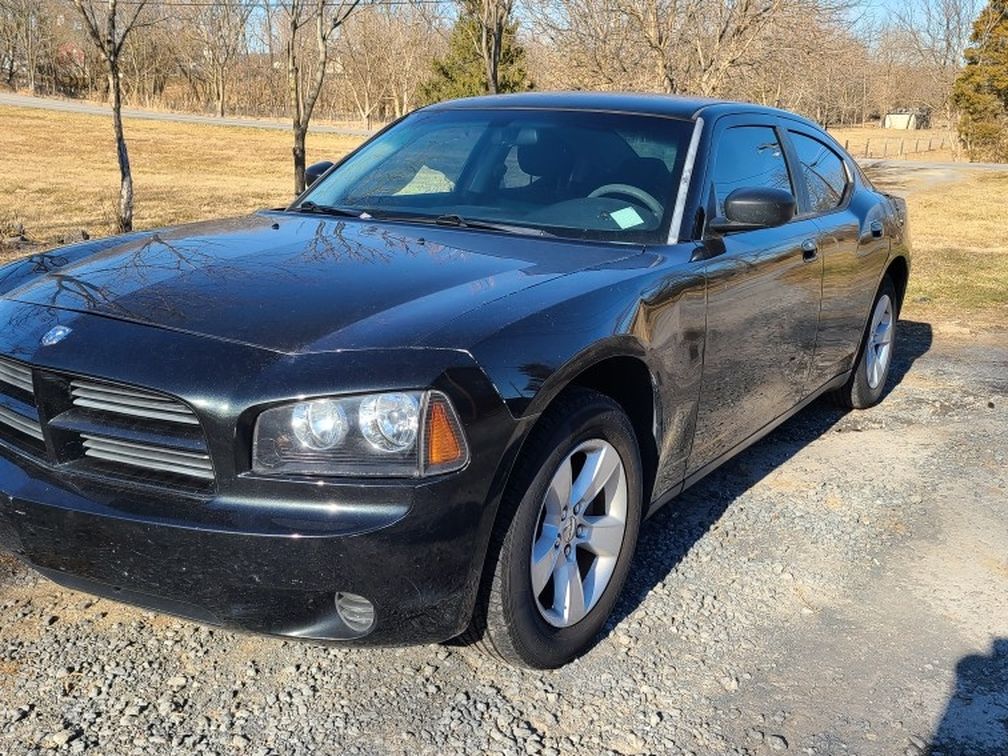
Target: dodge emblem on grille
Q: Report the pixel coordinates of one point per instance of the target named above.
(55, 335)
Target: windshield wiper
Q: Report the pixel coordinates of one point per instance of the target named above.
(343, 212)
(459, 222)
(451, 219)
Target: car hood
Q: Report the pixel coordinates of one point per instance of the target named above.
(294, 283)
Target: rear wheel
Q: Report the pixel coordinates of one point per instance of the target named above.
(866, 385)
(566, 536)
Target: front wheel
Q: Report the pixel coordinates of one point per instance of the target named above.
(566, 535)
(865, 386)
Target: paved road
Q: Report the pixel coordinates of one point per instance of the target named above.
(93, 108)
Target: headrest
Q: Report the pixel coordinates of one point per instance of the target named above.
(547, 157)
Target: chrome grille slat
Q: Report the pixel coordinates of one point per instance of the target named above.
(25, 425)
(148, 457)
(14, 374)
(123, 397)
(130, 402)
(134, 411)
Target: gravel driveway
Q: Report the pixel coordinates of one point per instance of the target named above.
(840, 587)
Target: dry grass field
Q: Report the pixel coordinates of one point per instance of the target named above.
(896, 144)
(59, 175)
(58, 171)
(961, 262)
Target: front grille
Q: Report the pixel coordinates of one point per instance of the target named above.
(130, 402)
(101, 428)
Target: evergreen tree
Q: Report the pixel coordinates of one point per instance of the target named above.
(461, 72)
(980, 94)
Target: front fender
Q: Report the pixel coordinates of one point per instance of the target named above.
(655, 314)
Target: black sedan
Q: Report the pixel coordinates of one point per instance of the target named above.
(436, 395)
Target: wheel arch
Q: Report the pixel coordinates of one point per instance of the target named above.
(621, 371)
(898, 271)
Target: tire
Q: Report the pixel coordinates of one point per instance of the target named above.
(513, 623)
(867, 383)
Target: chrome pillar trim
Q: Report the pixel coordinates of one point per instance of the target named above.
(684, 183)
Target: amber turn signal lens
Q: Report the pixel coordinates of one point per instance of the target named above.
(443, 446)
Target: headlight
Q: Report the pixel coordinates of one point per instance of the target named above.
(390, 422)
(319, 425)
(396, 434)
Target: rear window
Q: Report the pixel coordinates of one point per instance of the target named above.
(824, 172)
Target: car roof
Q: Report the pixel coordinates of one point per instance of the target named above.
(670, 106)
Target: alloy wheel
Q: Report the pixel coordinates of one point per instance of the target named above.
(878, 350)
(579, 533)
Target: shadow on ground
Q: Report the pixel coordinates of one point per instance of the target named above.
(668, 536)
(976, 717)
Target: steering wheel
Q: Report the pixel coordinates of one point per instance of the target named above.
(630, 191)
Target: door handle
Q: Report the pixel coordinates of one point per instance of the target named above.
(809, 250)
(877, 229)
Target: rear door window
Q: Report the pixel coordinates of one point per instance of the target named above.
(824, 172)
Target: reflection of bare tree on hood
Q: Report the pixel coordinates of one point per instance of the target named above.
(95, 288)
(331, 242)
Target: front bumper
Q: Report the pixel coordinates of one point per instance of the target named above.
(408, 550)
(254, 553)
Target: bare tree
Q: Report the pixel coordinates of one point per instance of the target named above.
(586, 44)
(939, 29)
(665, 45)
(363, 50)
(26, 35)
(414, 44)
(8, 42)
(222, 26)
(328, 58)
(937, 32)
(108, 28)
(383, 56)
(304, 81)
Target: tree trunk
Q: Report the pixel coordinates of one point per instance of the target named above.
(220, 94)
(300, 132)
(268, 18)
(294, 94)
(490, 58)
(125, 219)
(31, 62)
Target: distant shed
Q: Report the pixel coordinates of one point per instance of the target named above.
(908, 121)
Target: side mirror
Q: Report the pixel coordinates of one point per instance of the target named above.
(314, 172)
(749, 209)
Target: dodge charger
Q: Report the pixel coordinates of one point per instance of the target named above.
(435, 396)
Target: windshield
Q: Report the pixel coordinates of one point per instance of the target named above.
(588, 175)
